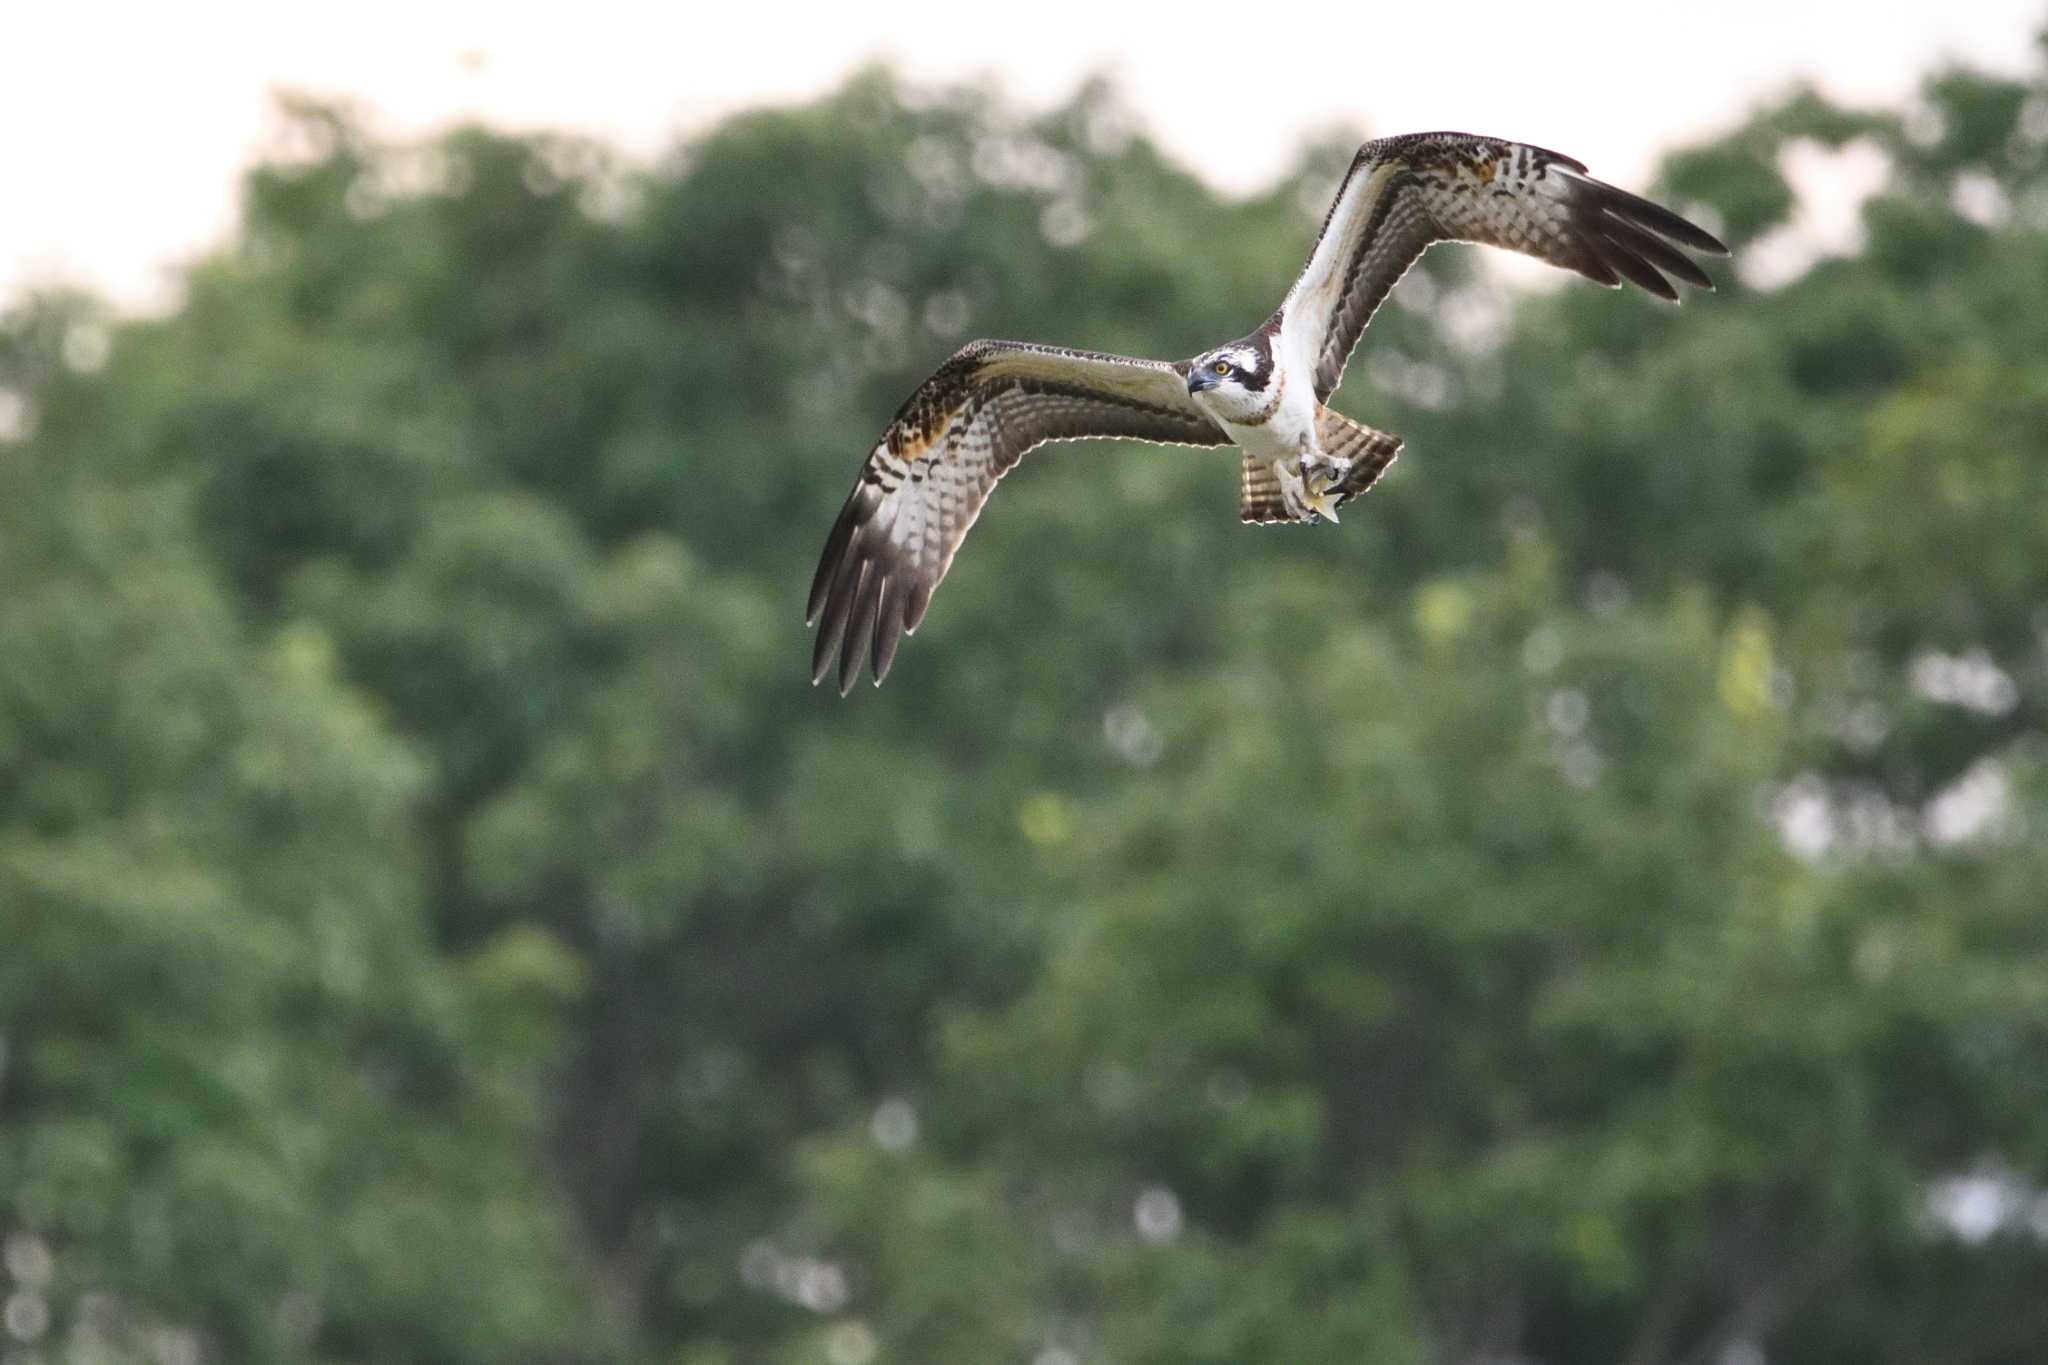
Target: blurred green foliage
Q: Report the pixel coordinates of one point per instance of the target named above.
(1588, 907)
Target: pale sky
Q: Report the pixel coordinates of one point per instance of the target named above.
(126, 124)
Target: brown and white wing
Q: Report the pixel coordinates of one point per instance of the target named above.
(1403, 193)
(927, 478)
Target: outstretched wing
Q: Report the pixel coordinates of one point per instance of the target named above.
(927, 478)
(1403, 193)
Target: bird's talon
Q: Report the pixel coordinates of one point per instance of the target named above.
(1320, 471)
(1321, 488)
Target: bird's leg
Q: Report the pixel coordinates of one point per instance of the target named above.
(1307, 498)
(1321, 479)
(1293, 492)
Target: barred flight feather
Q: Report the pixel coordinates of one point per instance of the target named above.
(928, 477)
(1403, 194)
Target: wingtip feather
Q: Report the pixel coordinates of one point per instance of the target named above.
(1649, 214)
(860, 504)
(1637, 271)
(915, 606)
(853, 650)
(821, 661)
(1658, 252)
(888, 627)
(838, 614)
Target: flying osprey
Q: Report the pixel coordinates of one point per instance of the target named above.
(967, 425)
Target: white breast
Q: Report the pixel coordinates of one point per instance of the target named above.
(1291, 430)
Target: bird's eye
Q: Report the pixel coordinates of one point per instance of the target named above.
(1223, 367)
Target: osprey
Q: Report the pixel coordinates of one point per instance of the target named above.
(1265, 393)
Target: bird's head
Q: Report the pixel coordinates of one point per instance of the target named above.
(1231, 381)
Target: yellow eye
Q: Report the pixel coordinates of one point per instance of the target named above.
(1222, 367)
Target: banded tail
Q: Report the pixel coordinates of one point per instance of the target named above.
(1370, 450)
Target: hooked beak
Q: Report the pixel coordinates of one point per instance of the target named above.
(1200, 381)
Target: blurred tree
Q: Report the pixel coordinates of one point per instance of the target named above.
(246, 1112)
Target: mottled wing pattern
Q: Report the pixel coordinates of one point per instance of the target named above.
(1404, 193)
(927, 478)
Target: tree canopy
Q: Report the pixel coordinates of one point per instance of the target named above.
(1587, 907)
